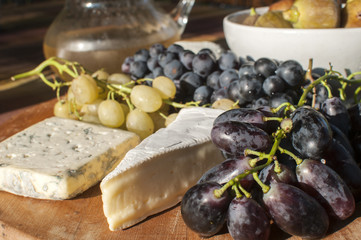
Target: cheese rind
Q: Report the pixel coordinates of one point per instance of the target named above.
(60, 158)
(155, 175)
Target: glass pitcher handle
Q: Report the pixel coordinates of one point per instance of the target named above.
(181, 12)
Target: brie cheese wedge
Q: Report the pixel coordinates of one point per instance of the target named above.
(60, 158)
(155, 175)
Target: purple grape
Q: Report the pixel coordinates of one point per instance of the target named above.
(278, 98)
(247, 115)
(247, 220)
(227, 170)
(141, 55)
(158, 71)
(250, 87)
(260, 102)
(234, 92)
(228, 60)
(138, 69)
(152, 63)
(126, 64)
(203, 95)
(186, 58)
(209, 52)
(203, 64)
(355, 117)
(247, 69)
(173, 69)
(291, 72)
(295, 212)
(273, 84)
(175, 48)
(189, 82)
(356, 146)
(220, 93)
(311, 134)
(202, 212)
(213, 80)
(234, 137)
(287, 175)
(336, 113)
(327, 187)
(156, 49)
(265, 67)
(340, 160)
(166, 57)
(341, 138)
(227, 76)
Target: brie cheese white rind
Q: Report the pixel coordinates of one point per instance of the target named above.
(60, 158)
(155, 175)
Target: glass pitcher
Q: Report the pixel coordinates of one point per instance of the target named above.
(102, 33)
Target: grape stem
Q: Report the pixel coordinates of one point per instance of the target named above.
(288, 106)
(181, 105)
(67, 67)
(279, 135)
(289, 153)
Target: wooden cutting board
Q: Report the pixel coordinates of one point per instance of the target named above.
(82, 218)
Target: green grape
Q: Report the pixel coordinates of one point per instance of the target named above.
(140, 123)
(224, 104)
(101, 75)
(165, 86)
(70, 98)
(110, 113)
(62, 109)
(85, 89)
(126, 110)
(170, 118)
(119, 78)
(89, 112)
(146, 98)
(158, 120)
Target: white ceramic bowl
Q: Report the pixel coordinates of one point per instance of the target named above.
(339, 46)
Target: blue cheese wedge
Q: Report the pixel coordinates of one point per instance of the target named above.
(155, 175)
(60, 158)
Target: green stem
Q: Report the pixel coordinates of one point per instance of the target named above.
(236, 190)
(328, 88)
(357, 91)
(54, 61)
(279, 119)
(277, 167)
(264, 187)
(180, 105)
(284, 151)
(306, 90)
(288, 106)
(244, 191)
(119, 88)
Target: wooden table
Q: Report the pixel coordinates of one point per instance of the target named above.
(82, 217)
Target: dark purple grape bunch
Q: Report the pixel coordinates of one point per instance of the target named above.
(321, 187)
(205, 77)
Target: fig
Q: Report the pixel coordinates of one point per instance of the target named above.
(281, 5)
(272, 19)
(314, 14)
(251, 19)
(351, 14)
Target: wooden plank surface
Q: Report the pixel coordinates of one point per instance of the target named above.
(82, 217)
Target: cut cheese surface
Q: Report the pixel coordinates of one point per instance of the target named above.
(60, 158)
(155, 175)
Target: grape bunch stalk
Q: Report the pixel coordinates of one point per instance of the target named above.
(296, 166)
(113, 100)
